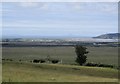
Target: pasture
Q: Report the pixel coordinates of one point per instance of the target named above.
(105, 55)
(24, 72)
(19, 69)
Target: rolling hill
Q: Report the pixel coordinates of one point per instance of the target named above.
(109, 36)
(24, 72)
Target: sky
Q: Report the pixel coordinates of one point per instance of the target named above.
(59, 19)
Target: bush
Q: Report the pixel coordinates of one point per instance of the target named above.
(99, 65)
(3, 59)
(20, 60)
(91, 64)
(39, 61)
(10, 60)
(7, 59)
(55, 61)
(36, 61)
(105, 65)
(42, 61)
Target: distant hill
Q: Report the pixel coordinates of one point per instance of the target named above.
(109, 36)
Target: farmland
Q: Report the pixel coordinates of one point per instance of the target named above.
(61, 41)
(105, 55)
(67, 71)
(24, 72)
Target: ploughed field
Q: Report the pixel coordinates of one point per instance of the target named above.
(105, 55)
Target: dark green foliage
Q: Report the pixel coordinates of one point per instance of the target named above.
(3, 59)
(55, 61)
(99, 65)
(42, 61)
(36, 61)
(7, 60)
(81, 54)
(92, 64)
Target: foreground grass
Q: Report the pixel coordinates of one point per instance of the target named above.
(28, 72)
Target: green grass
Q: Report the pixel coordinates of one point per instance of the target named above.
(105, 55)
(24, 72)
(29, 72)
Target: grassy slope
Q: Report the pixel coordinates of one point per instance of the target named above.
(106, 55)
(24, 72)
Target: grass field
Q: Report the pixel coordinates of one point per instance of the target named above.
(24, 72)
(105, 55)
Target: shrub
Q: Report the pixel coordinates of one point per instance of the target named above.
(42, 61)
(10, 60)
(55, 61)
(20, 60)
(36, 61)
(3, 59)
(99, 65)
(91, 64)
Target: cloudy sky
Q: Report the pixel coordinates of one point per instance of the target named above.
(83, 19)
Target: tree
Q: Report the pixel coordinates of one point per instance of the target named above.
(81, 54)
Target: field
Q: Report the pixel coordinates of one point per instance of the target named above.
(24, 70)
(105, 55)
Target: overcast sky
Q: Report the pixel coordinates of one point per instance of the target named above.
(59, 19)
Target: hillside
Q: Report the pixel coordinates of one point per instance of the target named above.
(23, 72)
(109, 36)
